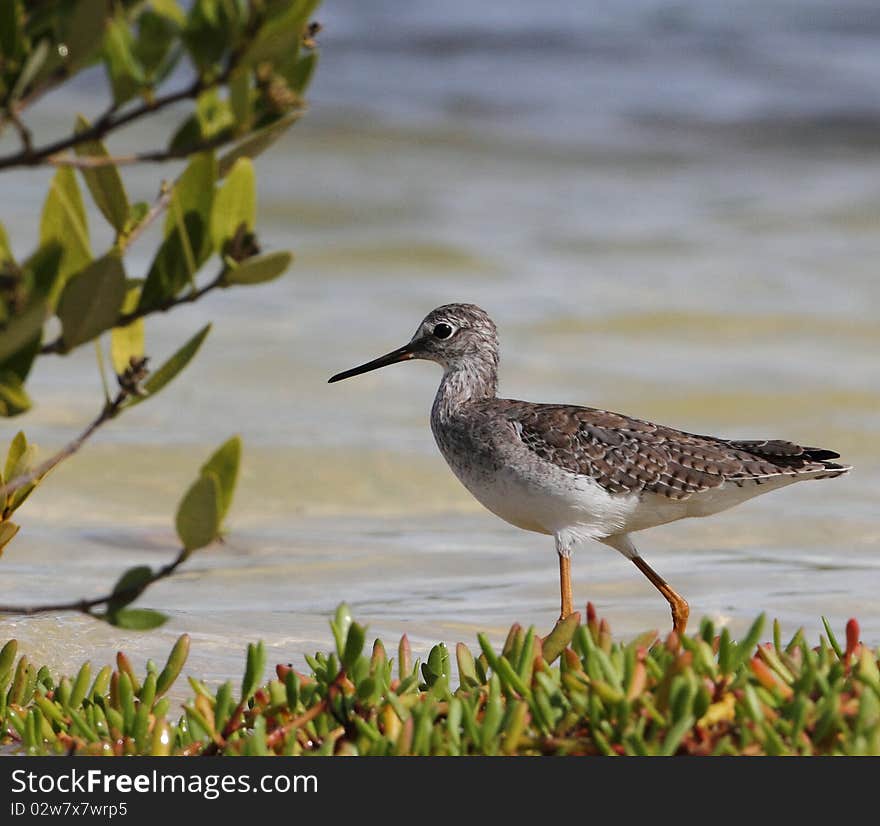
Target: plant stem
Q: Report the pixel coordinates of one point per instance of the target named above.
(57, 345)
(108, 122)
(153, 156)
(110, 410)
(23, 132)
(85, 606)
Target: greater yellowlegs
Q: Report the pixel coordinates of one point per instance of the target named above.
(578, 473)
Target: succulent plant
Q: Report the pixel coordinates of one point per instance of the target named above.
(575, 691)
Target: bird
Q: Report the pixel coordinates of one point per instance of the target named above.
(580, 473)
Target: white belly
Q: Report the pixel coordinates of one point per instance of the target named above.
(550, 500)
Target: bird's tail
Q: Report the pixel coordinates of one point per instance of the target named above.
(823, 457)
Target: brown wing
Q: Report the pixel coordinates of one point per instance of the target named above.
(627, 455)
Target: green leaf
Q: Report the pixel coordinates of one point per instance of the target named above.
(746, 646)
(33, 65)
(18, 462)
(21, 361)
(11, 40)
(156, 33)
(187, 137)
(171, 10)
(194, 189)
(223, 705)
(21, 329)
(170, 271)
(467, 671)
(18, 498)
(7, 659)
(299, 77)
(64, 221)
(6, 256)
(126, 75)
(675, 735)
(104, 182)
(91, 301)
(13, 398)
(340, 625)
(198, 517)
(354, 645)
(43, 270)
(83, 33)
(80, 685)
(235, 203)
(831, 638)
(128, 341)
(21, 336)
(194, 192)
(256, 664)
(257, 143)
(561, 635)
(241, 100)
(8, 530)
(224, 464)
(214, 114)
(129, 587)
(207, 31)
(174, 665)
(18, 457)
(169, 370)
(259, 269)
(137, 619)
(280, 37)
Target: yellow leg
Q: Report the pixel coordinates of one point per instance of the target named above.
(680, 610)
(565, 586)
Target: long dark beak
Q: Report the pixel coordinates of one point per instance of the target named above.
(402, 354)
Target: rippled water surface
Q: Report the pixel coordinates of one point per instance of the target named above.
(675, 214)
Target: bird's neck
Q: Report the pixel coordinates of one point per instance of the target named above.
(466, 382)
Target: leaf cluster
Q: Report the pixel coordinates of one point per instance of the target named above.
(247, 65)
(251, 67)
(574, 692)
(19, 460)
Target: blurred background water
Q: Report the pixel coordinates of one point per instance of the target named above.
(670, 209)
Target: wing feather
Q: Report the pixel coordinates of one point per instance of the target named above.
(627, 455)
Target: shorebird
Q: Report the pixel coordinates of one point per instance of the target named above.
(578, 473)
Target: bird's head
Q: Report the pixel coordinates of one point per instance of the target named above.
(453, 335)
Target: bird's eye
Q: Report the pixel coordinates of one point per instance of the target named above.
(443, 330)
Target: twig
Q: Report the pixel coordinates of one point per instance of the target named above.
(23, 132)
(93, 161)
(85, 606)
(277, 735)
(108, 122)
(111, 120)
(166, 192)
(129, 382)
(111, 410)
(126, 318)
(57, 345)
(274, 737)
(153, 156)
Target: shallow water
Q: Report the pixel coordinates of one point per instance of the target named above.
(677, 217)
